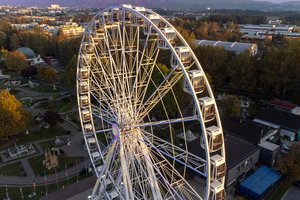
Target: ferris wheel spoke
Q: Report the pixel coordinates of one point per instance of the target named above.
(175, 180)
(167, 84)
(125, 172)
(165, 122)
(166, 171)
(173, 152)
(100, 114)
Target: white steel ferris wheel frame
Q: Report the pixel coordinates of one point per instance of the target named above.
(102, 159)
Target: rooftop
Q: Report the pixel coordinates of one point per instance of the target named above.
(237, 150)
(292, 194)
(245, 129)
(283, 104)
(283, 119)
(29, 53)
(237, 47)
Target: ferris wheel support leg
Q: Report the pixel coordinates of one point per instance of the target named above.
(155, 187)
(94, 195)
(126, 177)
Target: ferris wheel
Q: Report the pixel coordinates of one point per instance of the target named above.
(148, 115)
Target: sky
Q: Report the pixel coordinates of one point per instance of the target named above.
(103, 3)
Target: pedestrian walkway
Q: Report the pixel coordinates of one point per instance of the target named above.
(15, 181)
(27, 168)
(68, 193)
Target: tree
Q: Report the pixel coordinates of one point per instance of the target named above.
(230, 105)
(2, 39)
(14, 42)
(71, 71)
(52, 118)
(289, 164)
(13, 118)
(47, 73)
(16, 61)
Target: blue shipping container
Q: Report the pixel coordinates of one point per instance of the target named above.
(257, 184)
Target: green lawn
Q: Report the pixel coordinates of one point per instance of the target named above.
(47, 144)
(14, 169)
(15, 193)
(63, 106)
(63, 160)
(45, 89)
(68, 106)
(43, 133)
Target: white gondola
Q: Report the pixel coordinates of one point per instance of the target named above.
(197, 79)
(88, 128)
(207, 108)
(148, 29)
(87, 48)
(99, 34)
(99, 169)
(214, 137)
(126, 15)
(91, 142)
(113, 195)
(218, 167)
(85, 115)
(170, 35)
(84, 101)
(217, 191)
(115, 15)
(105, 18)
(95, 155)
(83, 87)
(84, 73)
(136, 20)
(184, 55)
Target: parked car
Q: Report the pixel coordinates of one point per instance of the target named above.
(296, 183)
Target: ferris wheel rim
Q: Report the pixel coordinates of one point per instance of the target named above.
(181, 66)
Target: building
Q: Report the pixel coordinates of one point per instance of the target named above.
(32, 58)
(288, 123)
(292, 194)
(285, 106)
(236, 47)
(25, 26)
(72, 29)
(248, 130)
(263, 31)
(268, 153)
(257, 134)
(241, 157)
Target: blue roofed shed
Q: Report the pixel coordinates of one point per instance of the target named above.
(259, 183)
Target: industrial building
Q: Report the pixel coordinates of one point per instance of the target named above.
(255, 133)
(236, 47)
(241, 157)
(264, 31)
(288, 123)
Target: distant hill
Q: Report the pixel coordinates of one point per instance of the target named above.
(174, 4)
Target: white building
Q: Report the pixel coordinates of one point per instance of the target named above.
(236, 47)
(32, 58)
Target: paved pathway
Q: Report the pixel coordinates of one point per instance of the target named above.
(15, 181)
(82, 189)
(27, 168)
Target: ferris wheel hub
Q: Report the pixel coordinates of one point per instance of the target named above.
(115, 131)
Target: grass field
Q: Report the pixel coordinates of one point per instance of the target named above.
(43, 133)
(63, 160)
(14, 169)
